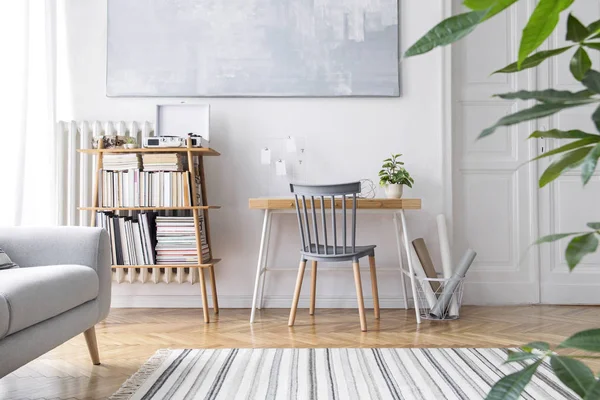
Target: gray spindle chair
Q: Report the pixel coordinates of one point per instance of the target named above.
(329, 249)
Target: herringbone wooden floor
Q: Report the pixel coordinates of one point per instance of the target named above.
(129, 336)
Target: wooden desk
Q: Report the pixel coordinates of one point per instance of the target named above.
(396, 207)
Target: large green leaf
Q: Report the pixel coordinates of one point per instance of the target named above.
(589, 164)
(594, 27)
(557, 134)
(546, 96)
(448, 31)
(579, 247)
(541, 24)
(593, 392)
(592, 45)
(532, 61)
(554, 237)
(493, 7)
(591, 80)
(535, 112)
(570, 146)
(511, 386)
(576, 31)
(588, 340)
(596, 118)
(580, 64)
(573, 373)
(543, 346)
(594, 225)
(517, 356)
(570, 160)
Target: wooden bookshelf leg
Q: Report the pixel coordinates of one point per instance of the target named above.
(204, 297)
(213, 283)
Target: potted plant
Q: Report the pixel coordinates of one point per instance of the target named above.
(393, 176)
(130, 142)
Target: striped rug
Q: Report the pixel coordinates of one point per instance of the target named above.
(329, 374)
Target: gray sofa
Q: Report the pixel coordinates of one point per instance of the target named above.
(61, 290)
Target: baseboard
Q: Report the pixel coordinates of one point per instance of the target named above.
(499, 293)
(149, 301)
(476, 293)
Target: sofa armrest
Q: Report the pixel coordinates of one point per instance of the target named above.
(34, 247)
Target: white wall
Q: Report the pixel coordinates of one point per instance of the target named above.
(346, 140)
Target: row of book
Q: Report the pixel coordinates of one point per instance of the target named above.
(150, 239)
(149, 162)
(132, 241)
(122, 162)
(176, 240)
(135, 188)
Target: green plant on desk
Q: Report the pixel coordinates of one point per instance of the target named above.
(582, 151)
(393, 173)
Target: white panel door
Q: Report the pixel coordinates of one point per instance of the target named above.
(494, 197)
(564, 205)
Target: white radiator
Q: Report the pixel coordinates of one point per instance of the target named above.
(75, 182)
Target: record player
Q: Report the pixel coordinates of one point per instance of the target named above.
(173, 141)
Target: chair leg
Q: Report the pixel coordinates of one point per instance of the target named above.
(204, 297)
(374, 286)
(313, 288)
(359, 296)
(92, 345)
(213, 283)
(297, 292)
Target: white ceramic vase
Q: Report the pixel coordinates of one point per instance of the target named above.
(393, 191)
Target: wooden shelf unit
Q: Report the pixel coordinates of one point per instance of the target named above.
(204, 265)
(198, 151)
(185, 208)
(191, 152)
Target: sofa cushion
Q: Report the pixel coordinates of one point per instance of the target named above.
(35, 294)
(5, 261)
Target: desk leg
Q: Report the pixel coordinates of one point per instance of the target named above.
(260, 263)
(410, 266)
(399, 247)
(264, 264)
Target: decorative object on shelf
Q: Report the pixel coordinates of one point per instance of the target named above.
(184, 120)
(329, 48)
(393, 176)
(110, 141)
(130, 143)
(171, 141)
(367, 189)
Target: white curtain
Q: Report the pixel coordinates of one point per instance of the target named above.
(27, 112)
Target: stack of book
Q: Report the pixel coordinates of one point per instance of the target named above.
(132, 239)
(121, 162)
(135, 188)
(162, 162)
(176, 241)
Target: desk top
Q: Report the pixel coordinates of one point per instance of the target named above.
(282, 203)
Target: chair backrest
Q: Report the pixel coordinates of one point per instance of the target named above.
(326, 193)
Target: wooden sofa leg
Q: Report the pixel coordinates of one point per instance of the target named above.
(92, 344)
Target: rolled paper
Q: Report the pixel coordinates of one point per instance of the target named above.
(420, 273)
(446, 255)
(440, 309)
(426, 263)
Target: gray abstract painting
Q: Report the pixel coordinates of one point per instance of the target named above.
(270, 48)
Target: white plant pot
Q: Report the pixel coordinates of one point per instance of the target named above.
(393, 191)
(130, 145)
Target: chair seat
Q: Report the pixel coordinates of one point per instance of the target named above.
(34, 294)
(329, 256)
